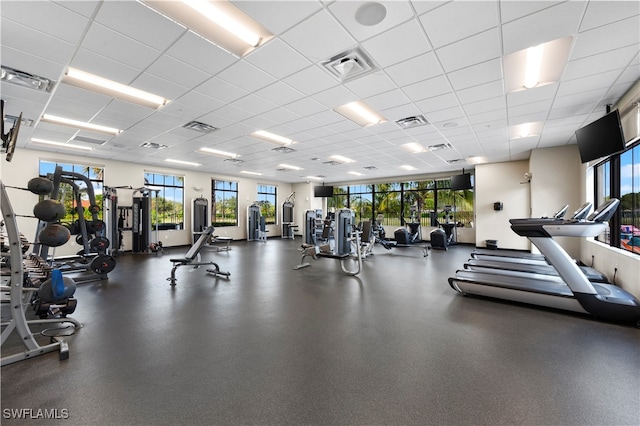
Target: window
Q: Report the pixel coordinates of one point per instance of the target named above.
(167, 200)
(619, 177)
(429, 201)
(268, 198)
(630, 200)
(225, 203)
(94, 176)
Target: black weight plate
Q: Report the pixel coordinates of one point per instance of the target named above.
(99, 243)
(103, 264)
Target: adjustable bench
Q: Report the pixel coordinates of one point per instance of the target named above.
(193, 253)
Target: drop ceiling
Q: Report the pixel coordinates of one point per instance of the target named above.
(439, 60)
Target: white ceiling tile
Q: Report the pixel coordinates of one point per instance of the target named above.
(398, 38)
(579, 85)
(530, 109)
(370, 85)
(198, 52)
(602, 39)
(470, 51)
(311, 80)
(481, 92)
(91, 62)
(232, 113)
(177, 72)
(305, 37)
(549, 24)
(390, 99)
(306, 106)
(47, 17)
(436, 103)
(605, 12)
(278, 16)
(221, 90)
(443, 24)
(397, 12)
(510, 10)
(607, 61)
(448, 114)
(119, 47)
(335, 97)
(280, 115)
(489, 117)
(278, 59)
(279, 93)
(197, 101)
(32, 64)
(35, 42)
(254, 104)
(492, 104)
(158, 86)
(476, 74)
(415, 69)
(427, 88)
(85, 8)
(247, 76)
(125, 17)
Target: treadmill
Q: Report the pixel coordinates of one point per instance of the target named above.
(534, 263)
(515, 255)
(573, 291)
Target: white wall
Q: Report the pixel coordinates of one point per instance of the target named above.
(555, 182)
(501, 182)
(24, 166)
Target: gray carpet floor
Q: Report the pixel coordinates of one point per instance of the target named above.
(394, 345)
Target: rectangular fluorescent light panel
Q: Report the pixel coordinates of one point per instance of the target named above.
(218, 152)
(80, 124)
(271, 137)
(219, 22)
(341, 159)
(407, 167)
(287, 166)
(414, 147)
(85, 80)
(246, 172)
(360, 113)
(525, 130)
(186, 163)
(355, 173)
(61, 144)
(536, 66)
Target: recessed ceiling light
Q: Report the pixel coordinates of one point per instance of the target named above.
(24, 79)
(186, 163)
(536, 66)
(407, 167)
(85, 80)
(525, 130)
(341, 159)
(246, 172)
(355, 173)
(61, 144)
(289, 167)
(414, 147)
(360, 113)
(219, 22)
(477, 160)
(271, 137)
(218, 152)
(80, 124)
(314, 177)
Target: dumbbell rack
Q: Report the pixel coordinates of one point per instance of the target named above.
(19, 299)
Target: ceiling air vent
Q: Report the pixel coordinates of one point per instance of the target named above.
(154, 145)
(349, 65)
(89, 140)
(331, 163)
(234, 160)
(456, 160)
(415, 121)
(370, 167)
(200, 127)
(283, 149)
(439, 146)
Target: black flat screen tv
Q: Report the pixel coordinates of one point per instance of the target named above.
(601, 138)
(323, 191)
(459, 182)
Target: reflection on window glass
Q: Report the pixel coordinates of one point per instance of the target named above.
(267, 196)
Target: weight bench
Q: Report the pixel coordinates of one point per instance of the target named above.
(220, 243)
(192, 254)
